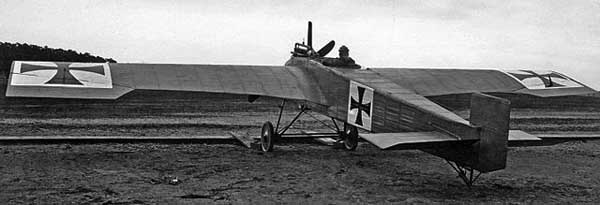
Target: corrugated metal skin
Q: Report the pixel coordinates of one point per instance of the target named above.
(396, 108)
(431, 82)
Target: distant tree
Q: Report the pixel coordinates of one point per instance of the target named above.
(10, 52)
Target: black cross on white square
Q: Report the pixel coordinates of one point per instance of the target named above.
(60, 74)
(360, 105)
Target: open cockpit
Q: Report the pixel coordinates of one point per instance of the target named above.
(307, 51)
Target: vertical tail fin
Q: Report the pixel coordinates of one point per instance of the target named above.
(492, 115)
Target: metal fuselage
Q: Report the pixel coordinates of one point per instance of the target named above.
(397, 109)
(391, 113)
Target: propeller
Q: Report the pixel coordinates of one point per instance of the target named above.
(323, 51)
(326, 49)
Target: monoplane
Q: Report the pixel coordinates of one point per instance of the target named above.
(390, 106)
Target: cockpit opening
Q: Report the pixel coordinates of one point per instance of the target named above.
(343, 60)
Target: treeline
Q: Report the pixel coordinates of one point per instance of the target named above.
(10, 52)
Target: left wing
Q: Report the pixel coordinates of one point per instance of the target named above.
(113, 80)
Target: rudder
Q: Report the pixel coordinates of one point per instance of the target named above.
(492, 115)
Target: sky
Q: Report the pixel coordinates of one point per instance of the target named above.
(526, 34)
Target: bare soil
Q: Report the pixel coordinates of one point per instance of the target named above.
(193, 173)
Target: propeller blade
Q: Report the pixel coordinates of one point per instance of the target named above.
(309, 34)
(326, 49)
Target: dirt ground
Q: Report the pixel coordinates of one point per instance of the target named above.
(141, 173)
(198, 173)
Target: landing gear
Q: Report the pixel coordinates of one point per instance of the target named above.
(350, 137)
(267, 137)
(270, 134)
(347, 136)
(467, 174)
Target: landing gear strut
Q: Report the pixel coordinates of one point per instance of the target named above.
(271, 134)
(467, 174)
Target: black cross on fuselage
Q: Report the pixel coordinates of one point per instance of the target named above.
(63, 74)
(360, 106)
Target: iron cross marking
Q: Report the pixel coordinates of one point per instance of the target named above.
(362, 107)
(63, 74)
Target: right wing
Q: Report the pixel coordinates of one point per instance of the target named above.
(111, 81)
(435, 82)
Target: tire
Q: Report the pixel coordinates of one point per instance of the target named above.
(267, 137)
(350, 137)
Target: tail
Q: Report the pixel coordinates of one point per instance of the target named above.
(491, 115)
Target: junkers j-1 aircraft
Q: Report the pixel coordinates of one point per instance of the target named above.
(389, 105)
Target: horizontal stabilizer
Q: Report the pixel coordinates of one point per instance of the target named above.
(407, 140)
(519, 135)
(556, 138)
(570, 136)
(517, 138)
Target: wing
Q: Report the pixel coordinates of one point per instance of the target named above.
(433, 82)
(110, 81)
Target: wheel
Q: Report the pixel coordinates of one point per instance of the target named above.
(350, 137)
(267, 136)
